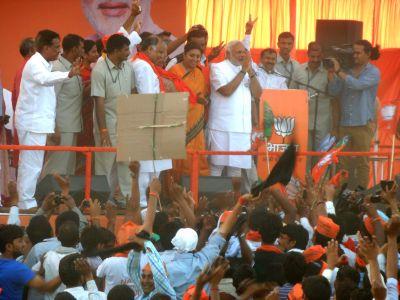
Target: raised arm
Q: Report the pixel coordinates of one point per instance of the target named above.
(133, 205)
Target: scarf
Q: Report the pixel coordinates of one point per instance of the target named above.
(179, 84)
(270, 248)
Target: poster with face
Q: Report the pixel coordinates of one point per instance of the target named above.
(107, 16)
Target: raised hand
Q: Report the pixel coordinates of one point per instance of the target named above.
(368, 247)
(135, 9)
(63, 182)
(215, 51)
(134, 167)
(155, 186)
(250, 24)
(76, 68)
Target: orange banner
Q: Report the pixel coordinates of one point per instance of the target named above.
(290, 110)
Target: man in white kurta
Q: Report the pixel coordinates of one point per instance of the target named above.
(36, 111)
(147, 82)
(233, 83)
(267, 77)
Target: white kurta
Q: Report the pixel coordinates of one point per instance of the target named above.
(147, 83)
(229, 122)
(270, 81)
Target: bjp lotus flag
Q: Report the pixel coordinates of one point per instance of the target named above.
(284, 115)
(328, 159)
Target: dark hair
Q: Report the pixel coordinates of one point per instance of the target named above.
(116, 42)
(88, 45)
(294, 267)
(100, 46)
(243, 272)
(160, 220)
(160, 296)
(27, 46)
(70, 41)
(320, 239)
(121, 292)
(286, 35)
(316, 288)
(68, 234)
(350, 222)
(9, 233)
(64, 296)
(298, 234)
(347, 280)
(164, 33)
(145, 34)
(314, 46)
(168, 233)
(66, 216)
(373, 52)
(313, 268)
(45, 38)
(38, 229)
(348, 273)
(90, 239)
(107, 236)
(270, 228)
(361, 294)
(68, 274)
(150, 41)
(268, 50)
(198, 33)
(190, 46)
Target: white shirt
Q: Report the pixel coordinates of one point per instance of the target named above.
(90, 294)
(233, 113)
(147, 83)
(114, 271)
(51, 265)
(36, 106)
(270, 80)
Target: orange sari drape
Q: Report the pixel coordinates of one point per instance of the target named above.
(195, 121)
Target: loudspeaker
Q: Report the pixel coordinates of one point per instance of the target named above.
(337, 33)
(99, 188)
(209, 186)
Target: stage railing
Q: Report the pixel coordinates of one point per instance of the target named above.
(194, 178)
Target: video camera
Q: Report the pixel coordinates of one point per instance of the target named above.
(343, 54)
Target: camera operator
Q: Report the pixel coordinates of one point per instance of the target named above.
(356, 91)
(312, 77)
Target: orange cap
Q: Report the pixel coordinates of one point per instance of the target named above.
(190, 291)
(253, 236)
(327, 227)
(126, 231)
(296, 292)
(314, 253)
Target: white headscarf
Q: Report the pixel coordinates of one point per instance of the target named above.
(185, 240)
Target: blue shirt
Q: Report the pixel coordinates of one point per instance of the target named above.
(183, 268)
(13, 277)
(357, 96)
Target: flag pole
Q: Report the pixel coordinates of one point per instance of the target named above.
(392, 158)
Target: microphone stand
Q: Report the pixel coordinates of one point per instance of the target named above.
(317, 93)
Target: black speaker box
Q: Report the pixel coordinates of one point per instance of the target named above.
(338, 33)
(209, 186)
(99, 188)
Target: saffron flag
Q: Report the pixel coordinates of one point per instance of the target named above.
(329, 158)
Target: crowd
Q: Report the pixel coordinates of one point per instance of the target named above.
(320, 242)
(232, 246)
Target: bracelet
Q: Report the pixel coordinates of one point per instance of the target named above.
(104, 130)
(154, 194)
(242, 200)
(243, 72)
(216, 289)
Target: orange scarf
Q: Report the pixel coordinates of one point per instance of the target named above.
(179, 84)
(269, 248)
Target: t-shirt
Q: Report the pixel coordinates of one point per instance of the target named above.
(114, 270)
(13, 277)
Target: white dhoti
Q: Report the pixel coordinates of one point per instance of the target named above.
(148, 170)
(29, 167)
(61, 162)
(229, 141)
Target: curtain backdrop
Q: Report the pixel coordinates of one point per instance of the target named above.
(225, 19)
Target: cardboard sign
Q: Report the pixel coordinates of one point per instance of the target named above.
(290, 109)
(151, 126)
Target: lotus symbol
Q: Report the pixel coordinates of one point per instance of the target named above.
(284, 126)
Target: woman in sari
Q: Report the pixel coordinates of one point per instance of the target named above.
(191, 74)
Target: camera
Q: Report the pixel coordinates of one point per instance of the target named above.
(58, 198)
(343, 54)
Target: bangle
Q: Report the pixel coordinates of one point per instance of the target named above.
(154, 194)
(214, 289)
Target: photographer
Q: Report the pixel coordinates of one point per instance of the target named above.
(356, 90)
